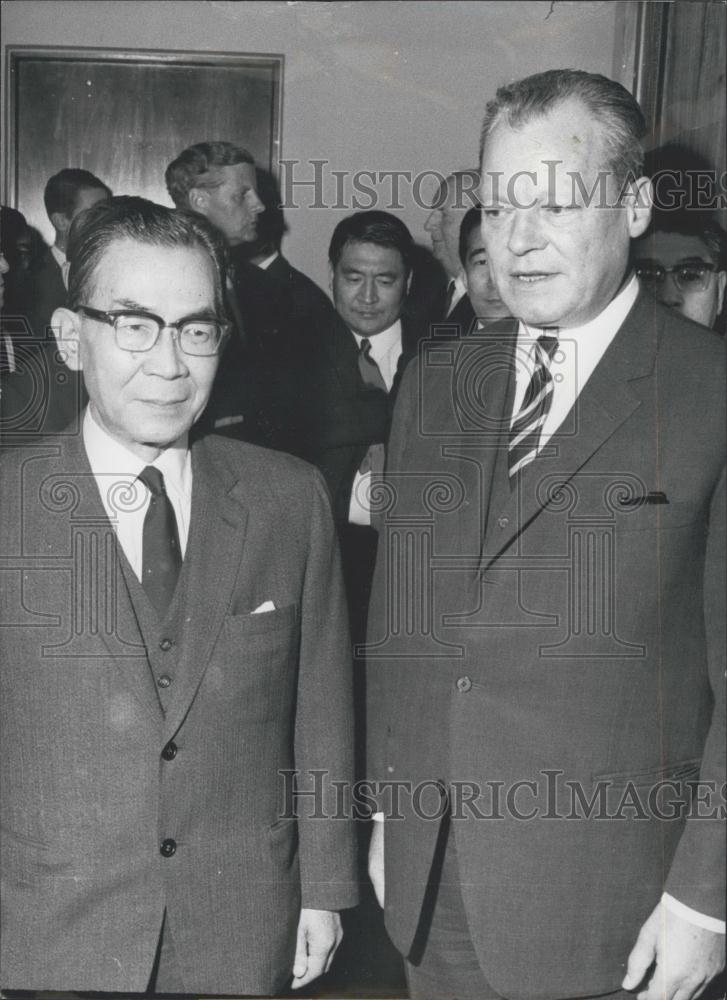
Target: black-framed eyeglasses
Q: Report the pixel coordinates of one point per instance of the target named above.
(139, 331)
(691, 276)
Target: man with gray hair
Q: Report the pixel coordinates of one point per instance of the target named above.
(175, 661)
(546, 641)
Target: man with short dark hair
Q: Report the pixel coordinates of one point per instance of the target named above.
(175, 664)
(476, 275)
(682, 261)
(547, 632)
(67, 194)
(455, 195)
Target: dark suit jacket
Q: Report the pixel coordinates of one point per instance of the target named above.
(48, 293)
(309, 306)
(337, 416)
(87, 795)
(568, 634)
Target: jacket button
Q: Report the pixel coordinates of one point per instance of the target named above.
(168, 848)
(463, 684)
(164, 681)
(503, 521)
(165, 645)
(170, 750)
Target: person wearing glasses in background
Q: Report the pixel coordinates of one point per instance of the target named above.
(682, 260)
(173, 631)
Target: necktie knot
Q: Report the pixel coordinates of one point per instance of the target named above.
(370, 371)
(548, 341)
(153, 479)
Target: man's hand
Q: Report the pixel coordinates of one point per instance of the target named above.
(687, 957)
(319, 934)
(376, 860)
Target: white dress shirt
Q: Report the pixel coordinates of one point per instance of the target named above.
(579, 351)
(125, 498)
(385, 350)
(459, 291)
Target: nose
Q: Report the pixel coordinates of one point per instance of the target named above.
(166, 359)
(669, 293)
(526, 232)
(255, 205)
(369, 292)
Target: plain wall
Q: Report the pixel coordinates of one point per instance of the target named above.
(367, 86)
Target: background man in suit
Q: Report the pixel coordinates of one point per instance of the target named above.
(455, 195)
(476, 274)
(561, 480)
(66, 194)
(217, 180)
(349, 378)
(149, 839)
(682, 260)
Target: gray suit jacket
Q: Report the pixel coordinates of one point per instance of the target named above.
(560, 665)
(100, 765)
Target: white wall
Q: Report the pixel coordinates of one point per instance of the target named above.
(367, 86)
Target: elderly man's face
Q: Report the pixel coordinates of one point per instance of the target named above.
(369, 284)
(233, 206)
(557, 259)
(670, 267)
(145, 400)
(443, 224)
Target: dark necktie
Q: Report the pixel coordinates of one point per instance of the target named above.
(370, 371)
(161, 554)
(373, 460)
(528, 424)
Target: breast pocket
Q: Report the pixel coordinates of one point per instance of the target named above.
(656, 516)
(256, 660)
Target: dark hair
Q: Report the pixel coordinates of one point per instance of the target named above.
(470, 222)
(132, 218)
(377, 227)
(62, 190)
(192, 167)
(607, 101)
(697, 224)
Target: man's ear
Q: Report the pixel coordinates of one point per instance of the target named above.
(409, 281)
(66, 326)
(198, 199)
(61, 222)
(638, 201)
(331, 272)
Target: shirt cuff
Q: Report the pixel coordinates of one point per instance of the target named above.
(378, 817)
(693, 916)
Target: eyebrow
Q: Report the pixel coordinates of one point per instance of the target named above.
(133, 306)
(378, 274)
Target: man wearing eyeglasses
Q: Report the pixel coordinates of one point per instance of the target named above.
(173, 638)
(682, 261)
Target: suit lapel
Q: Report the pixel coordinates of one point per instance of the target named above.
(217, 535)
(605, 403)
(104, 621)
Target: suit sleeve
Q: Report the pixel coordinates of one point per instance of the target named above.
(697, 874)
(324, 722)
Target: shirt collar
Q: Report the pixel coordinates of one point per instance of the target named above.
(265, 264)
(598, 332)
(108, 457)
(382, 342)
(58, 255)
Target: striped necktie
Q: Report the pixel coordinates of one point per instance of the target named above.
(527, 426)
